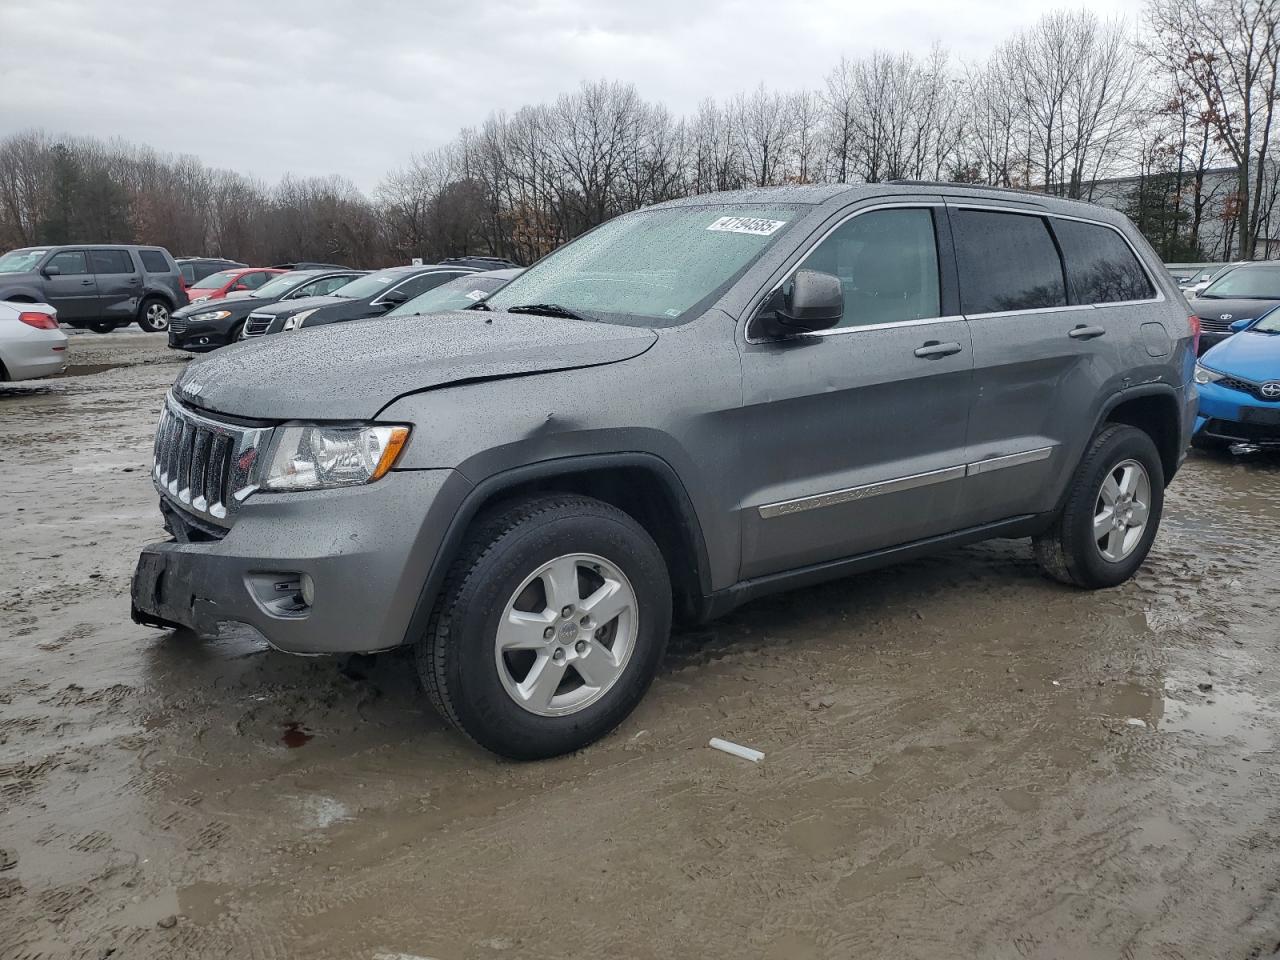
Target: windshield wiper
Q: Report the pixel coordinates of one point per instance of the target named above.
(548, 310)
(478, 305)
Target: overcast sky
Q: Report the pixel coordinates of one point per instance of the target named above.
(354, 88)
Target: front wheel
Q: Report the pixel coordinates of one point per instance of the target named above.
(1111, 514)
(153, 315)
(102, 326)
(550, 627)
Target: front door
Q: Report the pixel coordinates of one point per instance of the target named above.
(73, 292)
(119, 284)
(854, 439)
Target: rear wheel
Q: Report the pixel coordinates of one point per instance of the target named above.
(1112, 512)
(549, 628)
(102, 326)
(153, 315)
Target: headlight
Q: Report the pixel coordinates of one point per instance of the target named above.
(314, 457)
(295, 322)
(211, 315)
(1205, 375)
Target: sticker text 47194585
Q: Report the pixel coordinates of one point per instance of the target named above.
(754, 225)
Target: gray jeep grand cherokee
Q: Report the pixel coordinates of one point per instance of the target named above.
(689, 407)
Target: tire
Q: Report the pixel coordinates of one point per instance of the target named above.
(102, 326)
(496, 576)
(234, 335)
(153, 315)
(1068, 551)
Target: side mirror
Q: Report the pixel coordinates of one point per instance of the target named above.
(394, 298)
(812, 301)
(52, 271)
(1240, 325)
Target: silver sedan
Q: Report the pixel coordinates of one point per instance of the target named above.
(31, 343)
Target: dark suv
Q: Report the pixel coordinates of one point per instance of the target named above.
(689, 407)
(99, 286)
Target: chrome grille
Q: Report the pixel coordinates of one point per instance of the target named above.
(178, 324)
(1214, 325)
(257, 323)
(204, 466)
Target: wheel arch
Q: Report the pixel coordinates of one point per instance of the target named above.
(642, 485)
(1155, 410)
(21, 295)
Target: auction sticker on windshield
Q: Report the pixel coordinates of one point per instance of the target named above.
(753, 225)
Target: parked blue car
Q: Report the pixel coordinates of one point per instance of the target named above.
(1239, 381)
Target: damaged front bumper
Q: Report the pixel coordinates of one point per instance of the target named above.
(331, 571)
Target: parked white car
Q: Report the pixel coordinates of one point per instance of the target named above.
(31, 342)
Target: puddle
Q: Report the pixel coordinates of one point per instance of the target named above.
(87, 369)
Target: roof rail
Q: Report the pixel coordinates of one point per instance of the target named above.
(1026, 191)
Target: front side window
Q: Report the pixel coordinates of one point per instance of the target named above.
(1101, 267)
(652, 266)
(21, 261)
(1007, 261)
(1246, 283)
(69, 262)
(111, 261)
(887, 262)
(322, 288)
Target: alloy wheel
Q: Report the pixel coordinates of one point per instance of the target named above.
(566, 634)
(1122, 510)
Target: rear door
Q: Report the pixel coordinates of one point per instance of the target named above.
(854, 439)
(119, 283)
(1041, 361)
(74, 291)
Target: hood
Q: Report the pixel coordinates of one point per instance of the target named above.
(276, 308)
(350, 371)
(1213, 309)
(1249, 355)
(238, 295)
(199, 297)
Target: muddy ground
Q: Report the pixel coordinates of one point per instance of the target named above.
(961, 758)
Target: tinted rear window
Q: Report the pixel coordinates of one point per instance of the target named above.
(153, 261)
(1101, 266)
(111, 261)
(1007, 261)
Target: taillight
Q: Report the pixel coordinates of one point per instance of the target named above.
(41, 321)
(1195, 331)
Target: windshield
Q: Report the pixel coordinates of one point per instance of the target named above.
(454, 295)
(368, 285)
(1270, 323)
(214, 280)
(20, 261)
(652, 265)
(1249, 283)
(278, 286)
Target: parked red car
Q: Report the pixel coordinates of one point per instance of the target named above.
(226, 282)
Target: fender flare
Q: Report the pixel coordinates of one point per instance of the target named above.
(35, 296)
(494, 486)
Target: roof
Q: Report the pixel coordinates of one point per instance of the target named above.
(817, 194)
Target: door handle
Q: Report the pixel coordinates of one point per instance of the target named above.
(86, 283)
(1086, 333)
(932, 349)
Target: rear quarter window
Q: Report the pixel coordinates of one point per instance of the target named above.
(1101, 266)
(111, 261)
(1007, 261)
(153, 261)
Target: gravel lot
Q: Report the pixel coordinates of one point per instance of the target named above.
(962, 759)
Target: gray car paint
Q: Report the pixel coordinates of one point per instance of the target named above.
(740, 425)
(91, 296)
